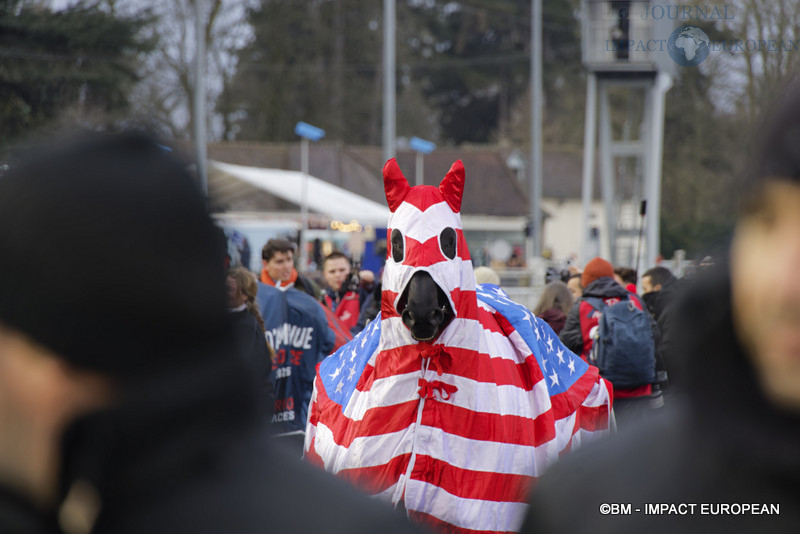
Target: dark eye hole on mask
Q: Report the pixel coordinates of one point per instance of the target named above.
(447, 241)
(398, 246)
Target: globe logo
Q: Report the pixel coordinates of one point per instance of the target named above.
(688, 46)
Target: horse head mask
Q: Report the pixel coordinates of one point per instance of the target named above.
(428, 264)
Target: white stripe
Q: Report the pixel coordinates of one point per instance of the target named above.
(564, 428)
(598, 396)
(466, 513)
(520, 344)
(394, 334)
(367, 451)
(491, 456)
(388, 391)
(421, 225)
(460, 452)
(311, 432)
(463, 333)
(448, 275)
(386, 495)
(499, 346)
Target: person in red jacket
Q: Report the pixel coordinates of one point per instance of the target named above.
(598, 282)
(341, 291)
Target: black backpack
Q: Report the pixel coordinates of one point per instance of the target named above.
(624, 347)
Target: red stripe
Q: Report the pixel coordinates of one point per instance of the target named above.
(461, 248)
(443, 527)
(377, 421)
(375, 479)
(388, 299)
(428, 252)
(459, 362)
(488, 321)
(423, 197)
(483, 426)
(567, 402)
(469, 484)
(593, 418)
(423, 254)
(312, 457)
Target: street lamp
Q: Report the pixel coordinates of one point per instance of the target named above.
(422, 147)
(307, 132)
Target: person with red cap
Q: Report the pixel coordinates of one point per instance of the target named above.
(599, 284)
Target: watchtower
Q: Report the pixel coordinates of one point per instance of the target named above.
(629, 73)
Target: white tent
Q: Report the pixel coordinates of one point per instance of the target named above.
(323, 197)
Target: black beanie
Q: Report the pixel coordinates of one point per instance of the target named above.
(108, 256)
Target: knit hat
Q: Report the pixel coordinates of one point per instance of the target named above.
(596, 268)
(109, 257)
(486, 275)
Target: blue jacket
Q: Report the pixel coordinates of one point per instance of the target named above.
(298, 332)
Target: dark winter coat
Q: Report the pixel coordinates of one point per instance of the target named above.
(20, 516)
(184, 453)
(664, 310)
(726, 444)
(253, 347)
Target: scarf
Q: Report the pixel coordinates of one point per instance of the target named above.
(283, 286)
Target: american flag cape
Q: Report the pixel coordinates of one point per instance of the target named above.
(459, 429)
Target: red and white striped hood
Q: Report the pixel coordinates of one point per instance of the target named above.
(420, 214)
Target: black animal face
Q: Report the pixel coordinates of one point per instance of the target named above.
(424, 307)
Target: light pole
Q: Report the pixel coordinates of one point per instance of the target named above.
(389, 90)
(536, 127)
(422, 147)
(199, 96)
(306, 132)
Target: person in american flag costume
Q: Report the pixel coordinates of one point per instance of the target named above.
(456, 428)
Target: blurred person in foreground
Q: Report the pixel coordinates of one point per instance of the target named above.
(124, 405)
(732, 449)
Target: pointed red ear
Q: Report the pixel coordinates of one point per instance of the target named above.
(395, 184)
(452, 186)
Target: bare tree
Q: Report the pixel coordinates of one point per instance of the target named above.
(761, 50)
(164, 96)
